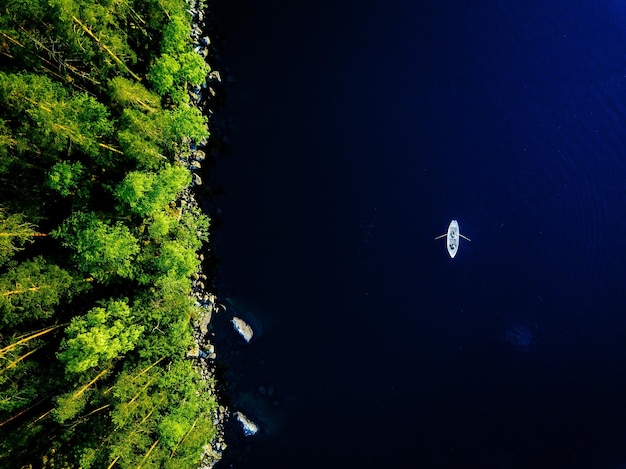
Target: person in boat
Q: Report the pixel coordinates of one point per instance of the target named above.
(452, 246)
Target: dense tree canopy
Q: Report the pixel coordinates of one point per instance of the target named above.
(96, 246)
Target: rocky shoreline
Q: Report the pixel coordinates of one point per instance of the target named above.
(192, 155)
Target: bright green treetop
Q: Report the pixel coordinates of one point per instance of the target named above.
(146, 193)
(100, 249)
(100, 336)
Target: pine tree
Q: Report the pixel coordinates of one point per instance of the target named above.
(30, 291)
(14, 233)
(99, 337)
(100, 249)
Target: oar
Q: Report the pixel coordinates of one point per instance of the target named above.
(439, 237)
(464, 237)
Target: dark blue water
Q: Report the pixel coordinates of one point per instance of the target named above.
(362, 129)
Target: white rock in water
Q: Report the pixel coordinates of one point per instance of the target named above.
(249, 427)
(243, 328)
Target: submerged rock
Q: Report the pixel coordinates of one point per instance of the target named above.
(249, 427)
(243, 328)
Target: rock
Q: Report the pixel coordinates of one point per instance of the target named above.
(195, 165)
(202, 51)
(249, 427)
(243, 328)
(197, 180)
(198, 155)
(206, 40)
(204, 321)
(215, 75)
(194, 352)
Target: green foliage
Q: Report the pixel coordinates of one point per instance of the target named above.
(193, 68)
(186, 121)
(172, 429)
(68, 406)
(149, 138)
(21, 91)
(65, 177)
(176, 35)
(160, 225)
(178, 67)
(100, 249)
(93, 116)
(129, 94)
(29, 291)
(176, 260)
(172, 72)
(146, 193)
(20, 382)
(7, 143)
(164, 74)
(100, 336)
(54, 119)
(144, 151)
(169, 405)
(14, 233)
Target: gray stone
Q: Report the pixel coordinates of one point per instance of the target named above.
(198, 155)
(204, 321)
(194, 352)
(215, 75)
(249, 427)
(197, 180)
(243, 328)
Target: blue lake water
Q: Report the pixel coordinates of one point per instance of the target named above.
(360, 129)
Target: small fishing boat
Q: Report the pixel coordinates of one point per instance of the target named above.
(452, 238)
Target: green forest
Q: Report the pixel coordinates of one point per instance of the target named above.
(97, 248)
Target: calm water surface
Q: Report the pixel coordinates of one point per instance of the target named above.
(360, 130)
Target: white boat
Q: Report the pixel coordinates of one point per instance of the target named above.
(452, 238)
